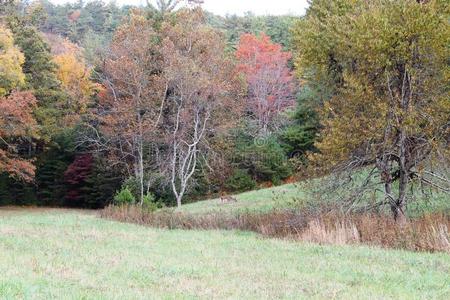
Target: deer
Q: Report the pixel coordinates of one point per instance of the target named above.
(227, 199)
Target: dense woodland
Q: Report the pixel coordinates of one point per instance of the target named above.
(74, 46)
(168, 104)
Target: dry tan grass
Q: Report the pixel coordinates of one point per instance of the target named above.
(428, 233)
(342, 233)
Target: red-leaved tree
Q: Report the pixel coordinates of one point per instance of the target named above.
(76, 176)
(16, 122)
(264, 65)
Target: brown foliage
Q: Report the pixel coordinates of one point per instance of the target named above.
(131, 104)
(428, 233)
(201, 94)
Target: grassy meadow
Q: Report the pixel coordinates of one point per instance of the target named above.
(296, 195)
(48, 254)
(262, 200)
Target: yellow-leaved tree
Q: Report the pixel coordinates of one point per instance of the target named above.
(389, 114)
(74, 75)
(11, 61)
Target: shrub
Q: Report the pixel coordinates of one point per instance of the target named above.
(132, 184)
(159, 189)
(148, 199)
(150, 204)
(240, 181)
(124, 196)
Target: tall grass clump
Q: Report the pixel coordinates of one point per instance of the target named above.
(426, 233)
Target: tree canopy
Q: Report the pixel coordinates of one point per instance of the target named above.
(387, 62)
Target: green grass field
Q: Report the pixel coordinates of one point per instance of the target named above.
(262, 200)
(58, 254)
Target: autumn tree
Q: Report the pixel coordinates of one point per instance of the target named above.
(16, 121)
(130, 106)
(389, 112)
(76, 177)
(40, 76)
(11, 61)
(270, 84)
(200, 92)
(16, 118)
(75, 78)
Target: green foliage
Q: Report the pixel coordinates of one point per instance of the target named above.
(13, 192)
(51, 166)
(124, 196)
(38, 67)
(161, 190)
(264, 158)
(240, 181)
(93, 45)
(299, 137)
(77, 20)
(132, 184)
(202, 184)
(6, 197)
(11, 60)
(50, 187)
(276, 27)
(40, 72)
(386, 63)
(148, 199)
(100, 187)
(149, 203)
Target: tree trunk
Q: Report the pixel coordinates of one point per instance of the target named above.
(181, 194)
(397, 207)
(141, 178)
(398, 212)
(140, 154)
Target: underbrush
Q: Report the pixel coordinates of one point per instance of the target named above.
(427, 233)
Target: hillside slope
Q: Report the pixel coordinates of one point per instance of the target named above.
(295, 195)
(258, 200)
